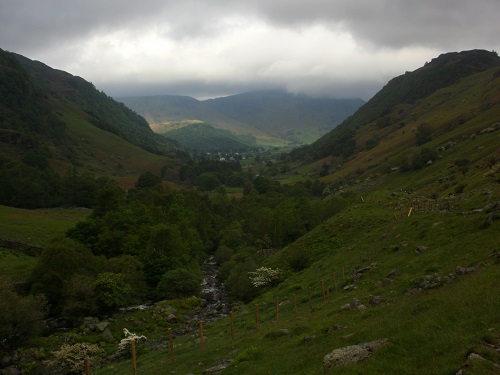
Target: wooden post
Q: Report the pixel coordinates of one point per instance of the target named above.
(334, 281)
(310, 300)
(409, 212)
(256, 317)
(202, 339)
(172, 356)
(295, 307)
(277, 309)
(323, 288)
(134, 362)
(86, 365)
(232, 324)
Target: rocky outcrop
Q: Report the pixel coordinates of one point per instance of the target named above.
(352, 354)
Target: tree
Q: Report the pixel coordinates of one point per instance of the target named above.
(423, 134)
(462, 165)
(21, 318)
(179, 283)
(147, 180)
(111, 291)
(59, 261)
(208, 181)
(109, 197)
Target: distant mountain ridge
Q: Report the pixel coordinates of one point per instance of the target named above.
(265, 115)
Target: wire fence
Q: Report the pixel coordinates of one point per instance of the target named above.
(299, 306)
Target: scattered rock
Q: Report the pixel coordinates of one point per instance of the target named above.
(361, 307)
(171, 318)
(464, 271)
(429, 282)
(219, 366)
(376, 300)
(347, 306)
(350, 286)
(355, 302)
(101, 326)
(412, 292)
(351, 354)
(336, 327)
(393, 273)
(107, 335)
(420, 249)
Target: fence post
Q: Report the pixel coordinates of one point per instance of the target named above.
(231, 319)
(277, 309)
(202, 340)
(172, 357)
(134, 362)
(256, 317)
(86, 365)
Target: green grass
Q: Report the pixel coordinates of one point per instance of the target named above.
(15, 265)
(433, 330)
(37, 227)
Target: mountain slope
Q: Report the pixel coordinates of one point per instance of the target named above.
(262, 114)
(441, 72)
(50, 143)
(107, 113)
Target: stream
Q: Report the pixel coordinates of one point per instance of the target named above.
(212, 294)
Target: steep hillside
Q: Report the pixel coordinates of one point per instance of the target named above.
(264, 115)
(52, 140)
(105, 112)
(408, 89)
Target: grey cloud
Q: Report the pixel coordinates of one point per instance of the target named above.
(395, 24)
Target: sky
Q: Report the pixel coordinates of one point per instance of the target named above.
(213, 48)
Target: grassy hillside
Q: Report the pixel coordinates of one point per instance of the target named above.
(417, 248)
(393, 105)
(410, 259)
(431, 311)
(104, 112)
(203, 137)
(53, 124)
(265, 115)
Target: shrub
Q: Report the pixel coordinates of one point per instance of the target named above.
(179, 283)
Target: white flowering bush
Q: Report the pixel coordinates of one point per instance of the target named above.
(129, 336)
(264, 276)
(69, 359)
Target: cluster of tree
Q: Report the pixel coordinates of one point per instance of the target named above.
(31, 183)
(204, 137)
(152, 241)
(209, 174)
(24, 107)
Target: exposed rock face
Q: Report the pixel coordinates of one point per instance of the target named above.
(351, 354)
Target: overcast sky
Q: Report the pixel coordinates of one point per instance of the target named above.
(211, 48)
